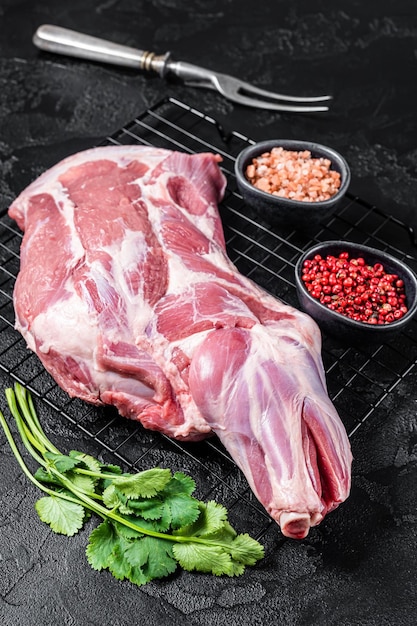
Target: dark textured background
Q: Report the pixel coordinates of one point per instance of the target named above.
(363, 568)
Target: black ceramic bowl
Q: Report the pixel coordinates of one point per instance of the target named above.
(284, 211)
(340, 325)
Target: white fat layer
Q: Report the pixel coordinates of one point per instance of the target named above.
(68, 327)
(66, 207)
(132, 252)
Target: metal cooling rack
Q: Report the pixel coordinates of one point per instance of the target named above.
(362, 382)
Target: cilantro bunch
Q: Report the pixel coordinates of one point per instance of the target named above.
(151, 523)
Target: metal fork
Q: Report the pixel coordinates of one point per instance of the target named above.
(71, 43)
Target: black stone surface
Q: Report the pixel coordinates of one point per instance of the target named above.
(359, 567)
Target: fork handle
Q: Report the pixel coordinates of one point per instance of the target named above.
(71, 43)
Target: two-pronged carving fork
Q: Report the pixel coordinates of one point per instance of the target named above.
(71, 43)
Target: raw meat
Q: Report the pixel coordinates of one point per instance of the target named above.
(127, 295)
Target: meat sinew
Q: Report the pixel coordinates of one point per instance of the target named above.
(127, 296)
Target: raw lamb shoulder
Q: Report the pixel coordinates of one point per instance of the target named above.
(128, 297)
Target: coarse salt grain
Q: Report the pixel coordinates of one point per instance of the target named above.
(294, 175)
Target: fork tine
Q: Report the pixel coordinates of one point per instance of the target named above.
(276, 106)
(260, 104)
(252, 89)
(240, 92)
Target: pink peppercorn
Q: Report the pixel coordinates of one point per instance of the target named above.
(359, 291)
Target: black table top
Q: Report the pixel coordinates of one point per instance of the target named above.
(358, 567)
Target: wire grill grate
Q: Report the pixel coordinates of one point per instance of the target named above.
(361, 382)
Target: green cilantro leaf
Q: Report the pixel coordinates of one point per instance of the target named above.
(63, 516)
(160, 558)
(224, 534)
(160, 525)
(149, 509)
(237, 569)
(45, 476)
(61, 462)
(138, 577)
(137, 553)
(180, 483)
(81, 482)
(212, 518)
(143, 484)
(111, 469)
(86, 459)
(136, 559)
(184, 510)
(101, 544)
(117, 564)
(111, 497)
(246, 550)
(154, 556)
(203, 558)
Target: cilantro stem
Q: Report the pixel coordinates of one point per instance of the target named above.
(24, 467)
(26, 406)
(25, 433)
(101, 475)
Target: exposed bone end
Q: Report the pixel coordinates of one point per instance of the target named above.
(297, 525)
